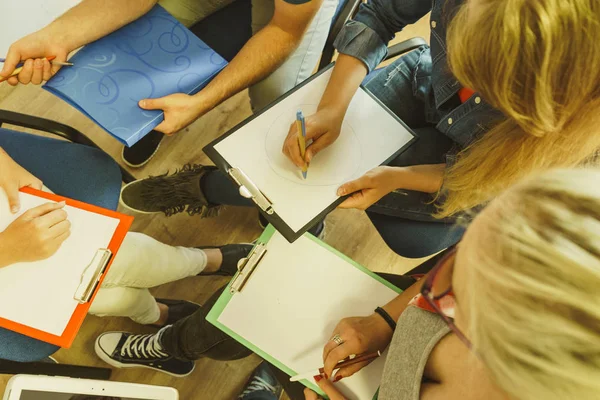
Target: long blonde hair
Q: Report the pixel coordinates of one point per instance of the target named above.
(538, 62)
(533, 287)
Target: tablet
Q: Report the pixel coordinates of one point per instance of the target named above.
(33, 387)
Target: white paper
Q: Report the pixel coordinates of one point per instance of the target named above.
(293, 301)
(22, 17)
(369, 136)
(40, 294)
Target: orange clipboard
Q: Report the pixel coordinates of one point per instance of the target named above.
(68, 335)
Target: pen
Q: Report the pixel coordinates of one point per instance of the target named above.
(19, 66)
(341, 364)
(302, 138)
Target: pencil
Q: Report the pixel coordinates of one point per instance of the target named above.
(302, 139)
(346, 363)
(19, 66)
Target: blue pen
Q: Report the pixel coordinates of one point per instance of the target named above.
(300, 124)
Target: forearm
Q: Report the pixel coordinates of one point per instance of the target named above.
(397, 306)
(426, 178)
(261, 55)
(93, 19)
(347, 75)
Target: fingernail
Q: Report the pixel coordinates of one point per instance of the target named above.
(14, 209)
(338, 378)
(317, 377)
(62, 203)
(142, 103)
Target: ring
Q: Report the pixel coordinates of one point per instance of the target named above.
(337, 339)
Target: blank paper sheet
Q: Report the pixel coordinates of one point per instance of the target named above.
(293, 301)
(369, 136)
(40, 294)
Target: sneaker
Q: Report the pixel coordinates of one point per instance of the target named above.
(170, 194)
(178, 309)
(318, 230)
(262, 385)
(232, 254)
(126, 350)
(142, 152)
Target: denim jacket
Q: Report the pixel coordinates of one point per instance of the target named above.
(377, 22)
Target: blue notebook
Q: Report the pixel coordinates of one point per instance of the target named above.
(151, 57)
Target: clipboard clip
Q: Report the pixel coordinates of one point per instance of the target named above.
(249, 190)
(246, 267)
(90, 277)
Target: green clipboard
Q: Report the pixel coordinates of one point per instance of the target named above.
(227, 295)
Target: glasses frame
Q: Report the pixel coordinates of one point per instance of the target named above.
(427, 292)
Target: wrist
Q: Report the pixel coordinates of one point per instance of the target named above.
(386, 317)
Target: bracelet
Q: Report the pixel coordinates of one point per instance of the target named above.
(387, 318)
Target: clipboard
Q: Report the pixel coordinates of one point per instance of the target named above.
(249, 189)
(91, 278)
(258, 337)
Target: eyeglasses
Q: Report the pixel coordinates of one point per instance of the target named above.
(437, 286)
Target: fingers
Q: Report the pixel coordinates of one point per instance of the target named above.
(52, 218)
(329, 389)
(355, 201)
(349, 371)
(47, 70)
(318, 145)
(43, 210)
(60, 228)
(310, 395)
(336, 355)
(26, 74)
(152, 104)
(38, 71)
(58, 240)
(13, 198)
(12, 59)
(291, 147)
(166, 128)
(354, 186)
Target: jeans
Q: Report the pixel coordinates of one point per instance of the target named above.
(141, 263)
(71, 170)
(300, 63)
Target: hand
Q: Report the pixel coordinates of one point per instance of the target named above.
(33, 49)
(369, 188)
(180, 111)
(35, 235)
(327, 387)
(12, 178)
(323, 128)
(359, 335)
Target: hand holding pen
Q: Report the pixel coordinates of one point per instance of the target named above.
(43, 66)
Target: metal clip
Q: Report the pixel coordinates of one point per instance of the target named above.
(246, 266)
(90, 277)
(249, 190)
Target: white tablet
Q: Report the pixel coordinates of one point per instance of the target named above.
(33, 387)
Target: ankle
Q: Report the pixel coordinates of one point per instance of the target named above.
(214, 259)
(163, 316)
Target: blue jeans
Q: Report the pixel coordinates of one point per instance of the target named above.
(71, 170)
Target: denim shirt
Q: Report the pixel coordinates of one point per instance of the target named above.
(366, 38)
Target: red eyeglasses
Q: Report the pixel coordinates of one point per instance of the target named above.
(438, 285)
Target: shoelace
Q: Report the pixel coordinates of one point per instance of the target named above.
(143, 346)
(257, 384)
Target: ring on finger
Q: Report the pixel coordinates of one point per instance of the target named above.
(337, 339)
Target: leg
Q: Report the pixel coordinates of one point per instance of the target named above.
(415, 239)
(72, 170)
(301, 63)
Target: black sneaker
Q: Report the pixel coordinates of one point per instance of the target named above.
(261, 385)
(126, 350)
(140, 153)
(170, 194)
(178, 309)
(232, 254)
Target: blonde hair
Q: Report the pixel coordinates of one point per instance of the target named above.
(538, 62)
(533, 287)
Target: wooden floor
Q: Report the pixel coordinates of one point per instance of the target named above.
(347, 230)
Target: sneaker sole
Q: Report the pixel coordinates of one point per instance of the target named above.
(138, 165)
(106, 358)
(122, 203)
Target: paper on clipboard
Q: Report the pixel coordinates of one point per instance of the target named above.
(370, 135)
(40, 294)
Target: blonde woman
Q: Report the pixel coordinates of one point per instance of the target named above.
(534, 71)
(512, 312)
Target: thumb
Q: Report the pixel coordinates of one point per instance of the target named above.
(354, 201)
(12, 59)
(152, 104)
(329, 389)
(317, 146)
(13, 199)
(310, 395)
(353, 186)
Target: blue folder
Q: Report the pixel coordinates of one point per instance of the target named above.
(151, 57)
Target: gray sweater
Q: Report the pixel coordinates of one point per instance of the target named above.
(416, 335)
